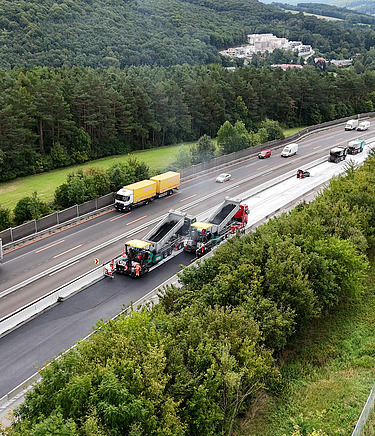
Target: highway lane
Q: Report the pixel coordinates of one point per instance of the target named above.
(35, 343)
(44, 337)
(42, 255)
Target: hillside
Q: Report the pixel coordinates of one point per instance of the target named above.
(352, 6)
(349, 11)
(116, 33)
(98, 33)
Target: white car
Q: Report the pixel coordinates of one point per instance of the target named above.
(223, 178)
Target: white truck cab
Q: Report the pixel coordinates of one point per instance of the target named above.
(290, 150)
(351, 124)
(124, 199)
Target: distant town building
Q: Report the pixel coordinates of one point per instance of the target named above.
(286, 66)
(266, 43)
(321, 63)
(342, 62)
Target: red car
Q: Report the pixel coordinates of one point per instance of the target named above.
(264, 153)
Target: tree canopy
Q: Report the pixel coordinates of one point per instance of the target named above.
(192, 364)
(102, 34)
(56, 117)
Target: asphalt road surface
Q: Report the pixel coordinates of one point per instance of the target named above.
(44, 337)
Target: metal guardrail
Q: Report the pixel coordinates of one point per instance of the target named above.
(58, 219)
(152, 296)
(91, 277)
(55, 219)
(362, 420)
(30, 310)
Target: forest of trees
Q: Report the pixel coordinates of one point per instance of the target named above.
(195, 362)
(51, 118)
(81, 186)
(343, 13)
(99, 33)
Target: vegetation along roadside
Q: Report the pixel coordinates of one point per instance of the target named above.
(198, 361)
(328, 372)
(35, 196)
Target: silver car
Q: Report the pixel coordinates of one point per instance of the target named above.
(223, 178)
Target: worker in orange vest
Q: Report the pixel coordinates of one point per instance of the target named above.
(137, 269)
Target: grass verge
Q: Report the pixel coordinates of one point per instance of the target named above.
(327, 376)
(45, 184)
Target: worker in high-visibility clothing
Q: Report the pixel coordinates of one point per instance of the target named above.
(108, 270)
(137, 269)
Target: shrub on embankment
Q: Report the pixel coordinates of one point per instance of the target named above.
(195, 362)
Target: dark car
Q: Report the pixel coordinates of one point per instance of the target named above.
(264, 153)
(301, 174)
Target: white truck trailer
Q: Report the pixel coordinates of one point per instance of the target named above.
(351, 124)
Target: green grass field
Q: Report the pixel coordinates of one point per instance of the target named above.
(45, 184)
(322, 17)
(327, 377)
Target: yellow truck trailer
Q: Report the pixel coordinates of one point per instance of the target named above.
(146, 190)
(166, 182)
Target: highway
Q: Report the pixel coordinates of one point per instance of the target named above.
(71, 252)
(44, 337)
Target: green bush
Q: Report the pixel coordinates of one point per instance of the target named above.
(29, 208)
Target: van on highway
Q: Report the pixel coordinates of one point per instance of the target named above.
(364, 125)
(290, 150)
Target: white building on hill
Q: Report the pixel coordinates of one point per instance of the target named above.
(266, 43)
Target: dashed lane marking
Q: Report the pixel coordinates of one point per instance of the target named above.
(67, 251)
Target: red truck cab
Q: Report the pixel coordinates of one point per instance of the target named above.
(240, 218)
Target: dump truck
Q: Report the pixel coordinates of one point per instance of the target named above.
(143, 192)
(337, 154)
(356, 146)
(140, 255)
(230, 217)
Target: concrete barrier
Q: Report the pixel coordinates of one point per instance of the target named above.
(152, 296)
(34, 308)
